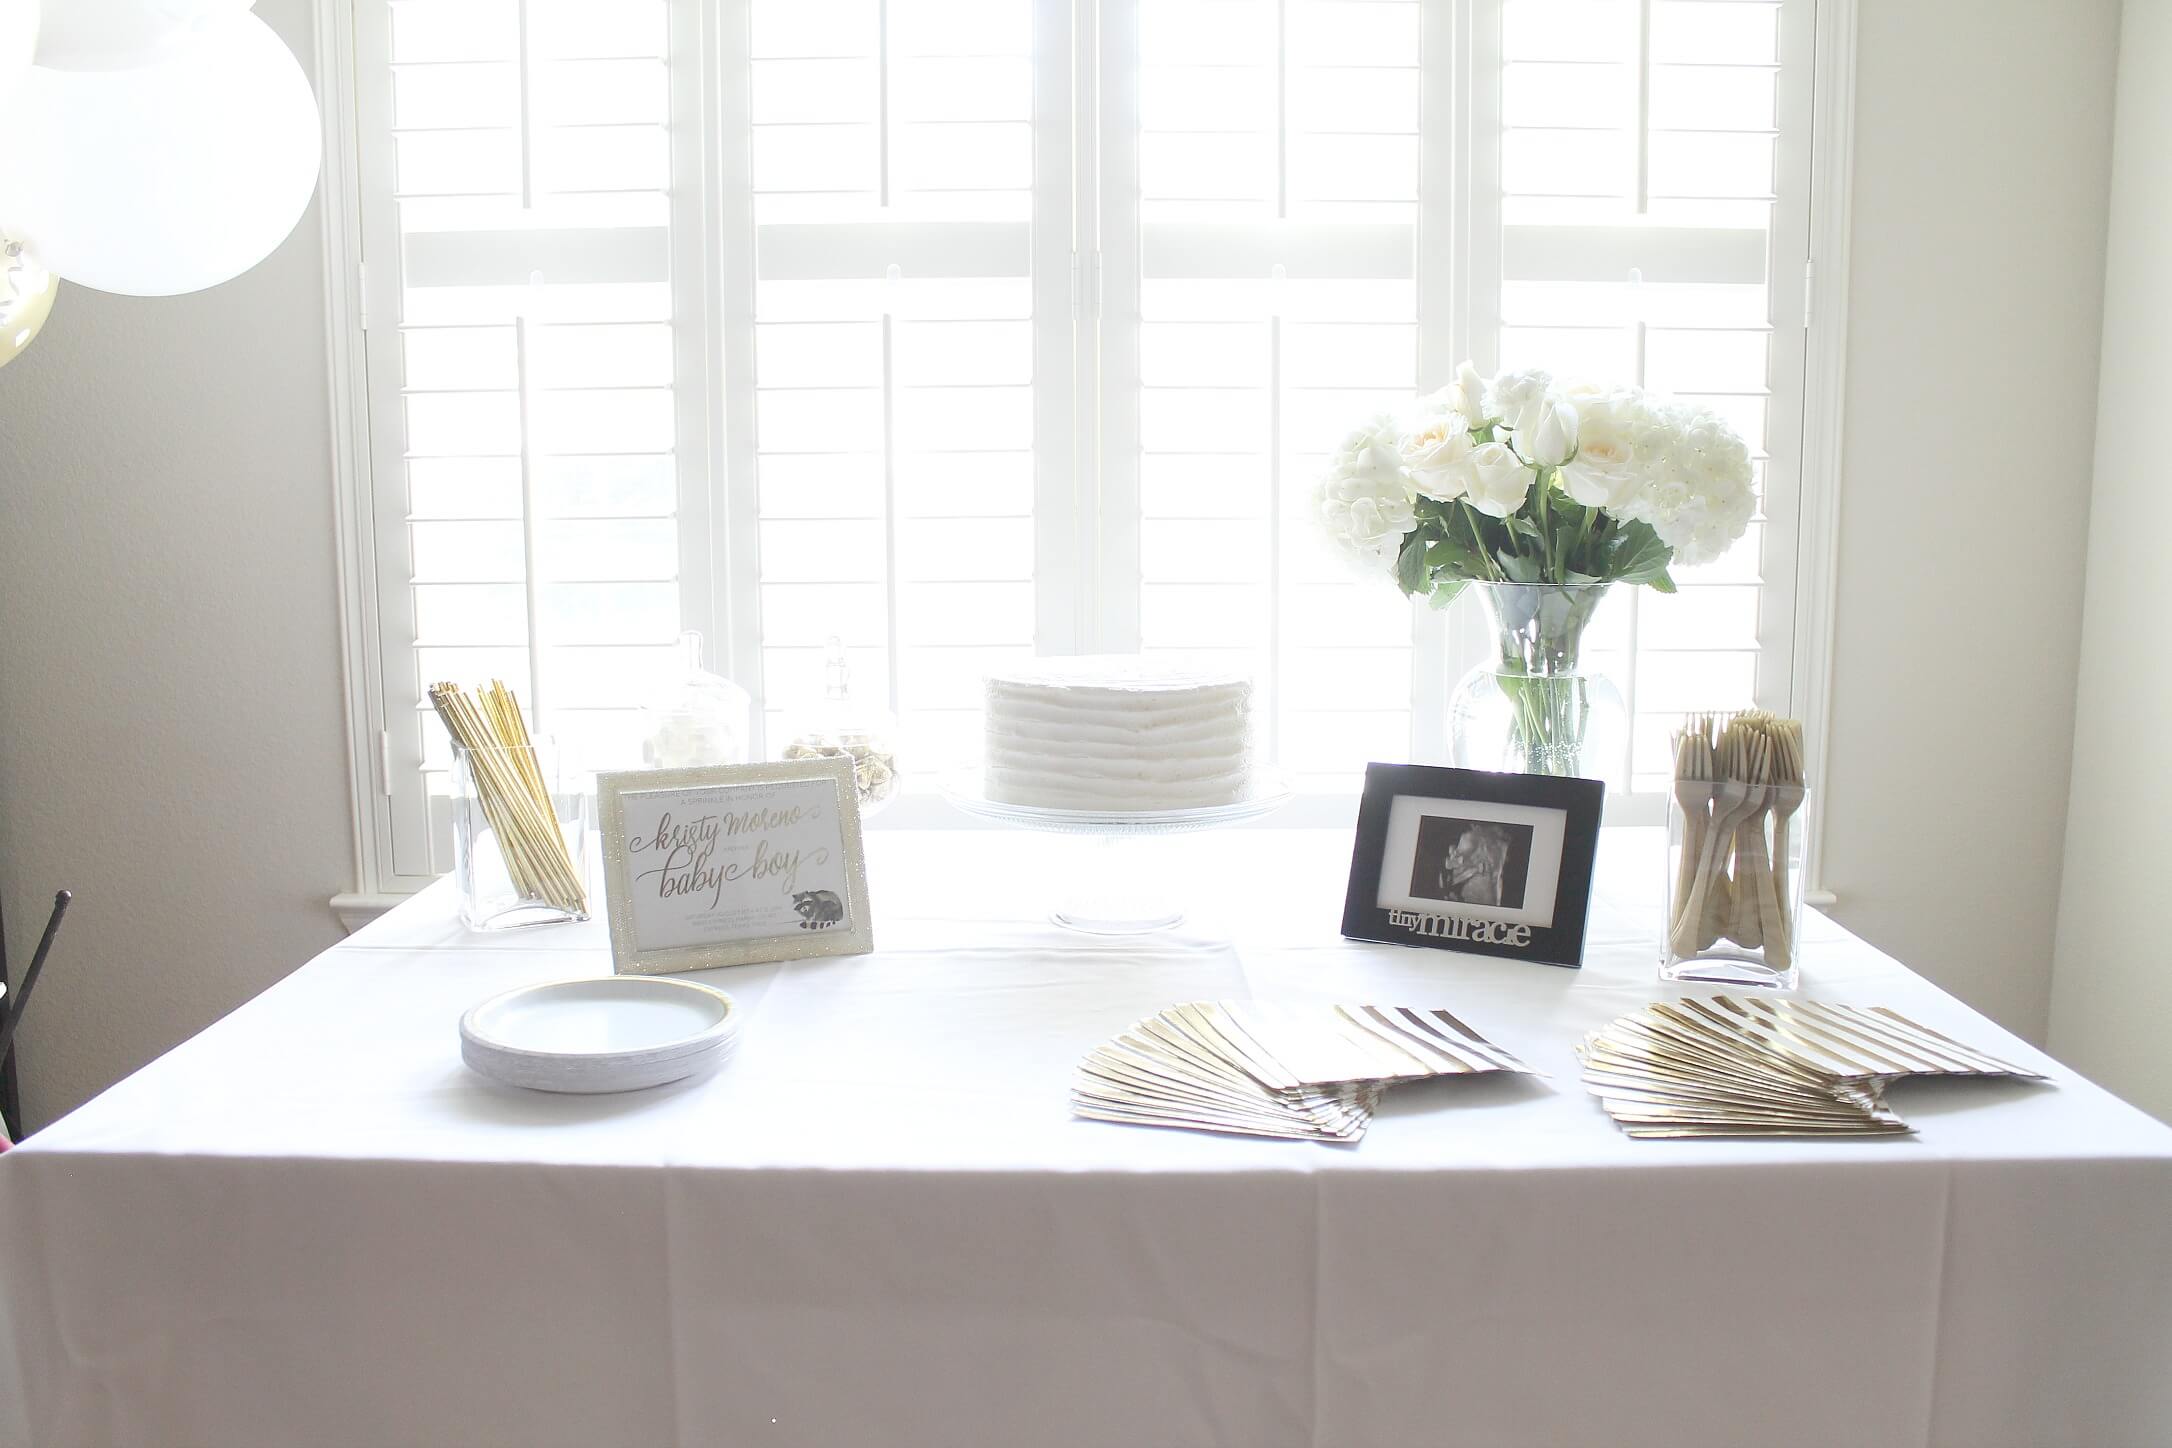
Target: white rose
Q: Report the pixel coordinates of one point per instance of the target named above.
(1497, 481)
(1434, 449)
(1541, 417)
(1364, 499)
(1515, 397)
(1549, 437)
(1467, 394)
(1604, 473)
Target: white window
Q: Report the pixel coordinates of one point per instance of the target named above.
(966, 329)
(901, 256)
(1651, 219)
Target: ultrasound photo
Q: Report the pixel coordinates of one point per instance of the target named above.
(1471, 862)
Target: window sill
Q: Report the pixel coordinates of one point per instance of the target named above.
(355, 911)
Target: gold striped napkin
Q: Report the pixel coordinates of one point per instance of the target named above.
(1302, 1072)
(1727, 1066)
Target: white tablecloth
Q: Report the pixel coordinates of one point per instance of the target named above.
(311, 1225)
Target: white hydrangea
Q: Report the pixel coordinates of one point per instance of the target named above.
(1696, 482)
(1365, 499)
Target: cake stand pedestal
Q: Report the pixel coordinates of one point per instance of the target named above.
(1114, 882)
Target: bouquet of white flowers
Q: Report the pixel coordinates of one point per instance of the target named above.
(1523, 480)
(1544, 495)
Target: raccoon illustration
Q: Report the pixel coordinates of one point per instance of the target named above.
(818, 909)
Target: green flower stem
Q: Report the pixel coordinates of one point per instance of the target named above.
(1551, 717)
(1550, 539)
(1545, 525)
(1469, 515)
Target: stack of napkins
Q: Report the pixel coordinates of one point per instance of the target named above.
(1302, 1072)
(1746, 1067)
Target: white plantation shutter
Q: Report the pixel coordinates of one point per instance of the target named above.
(1290, 239)
(1651, 227)
(1260, 195)
(902, 261)
(532, 372)
(969, 329)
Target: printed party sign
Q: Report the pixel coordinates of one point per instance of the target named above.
(723, 866)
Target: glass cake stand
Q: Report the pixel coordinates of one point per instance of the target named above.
(1113, 886)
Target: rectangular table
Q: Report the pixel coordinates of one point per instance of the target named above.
(312, 1225)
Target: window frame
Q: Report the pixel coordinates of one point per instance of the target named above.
(713, 288)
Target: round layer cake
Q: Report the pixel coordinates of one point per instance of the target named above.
(1118, 733)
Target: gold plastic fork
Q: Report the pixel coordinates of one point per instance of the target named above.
(1693, 770)
(1728, 793)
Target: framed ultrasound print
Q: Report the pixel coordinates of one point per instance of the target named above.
(1462, 859)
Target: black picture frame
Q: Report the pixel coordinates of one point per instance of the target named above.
(1467, 864)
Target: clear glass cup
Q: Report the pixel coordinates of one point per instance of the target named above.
(497, 893)
(1734, 887)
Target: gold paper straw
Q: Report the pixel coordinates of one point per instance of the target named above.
(509, 784)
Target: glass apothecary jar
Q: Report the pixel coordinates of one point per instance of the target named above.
(699, 719)
(843, 726)
(514, 865)
(1734, 887)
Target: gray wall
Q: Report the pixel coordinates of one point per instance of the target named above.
(2112, 991)
(1982, 144)
(171, 730)
(171, 738)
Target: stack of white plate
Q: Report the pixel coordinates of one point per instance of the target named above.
(619, 1033)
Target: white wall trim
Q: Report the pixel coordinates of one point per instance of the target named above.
(1832, 166)
(345, 310)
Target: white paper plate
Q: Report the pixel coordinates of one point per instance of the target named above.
(618, 1033)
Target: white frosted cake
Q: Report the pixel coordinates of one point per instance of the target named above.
(1117, 733)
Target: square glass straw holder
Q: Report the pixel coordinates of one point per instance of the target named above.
(498, 893)
(1734, 884)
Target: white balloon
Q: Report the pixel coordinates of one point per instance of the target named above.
(18, 42)
(125, 34)
(171, 178)
(26, 299)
